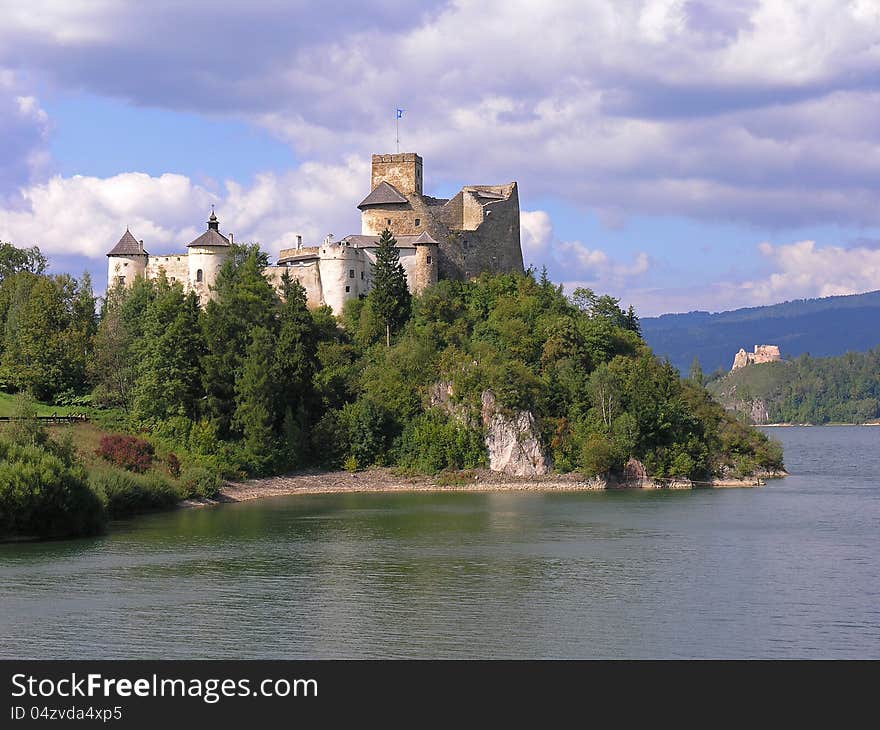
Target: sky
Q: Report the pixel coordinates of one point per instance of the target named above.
(678, 154)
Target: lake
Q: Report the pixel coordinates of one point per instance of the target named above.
(788, 570)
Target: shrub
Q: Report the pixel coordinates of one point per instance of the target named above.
(597, 456)
(42, 496)
(433, 441)
(127, 494)
(127, 452)
(351, 464)
(201, 482)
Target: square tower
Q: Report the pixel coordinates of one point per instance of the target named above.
(403, 171)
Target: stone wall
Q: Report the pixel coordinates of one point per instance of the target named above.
(402, 170)
(175, 266)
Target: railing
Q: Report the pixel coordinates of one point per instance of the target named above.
(54, 418)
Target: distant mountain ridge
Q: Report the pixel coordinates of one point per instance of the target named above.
(821, 327)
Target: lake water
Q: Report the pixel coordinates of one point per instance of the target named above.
(789, 570)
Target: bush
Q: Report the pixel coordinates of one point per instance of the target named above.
(351, 464)
(42, 496)
(127, 494)
(200, 482)
(597, 456)
(126, 452)
(433, 442)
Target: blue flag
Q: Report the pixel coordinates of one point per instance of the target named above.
(400, 113)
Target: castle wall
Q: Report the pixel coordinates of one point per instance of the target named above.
(495, 244)
(402, 217)
(175, 266)
(124, 269)
(307, 273)
(403, 171)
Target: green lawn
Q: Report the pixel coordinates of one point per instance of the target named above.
(7, 407)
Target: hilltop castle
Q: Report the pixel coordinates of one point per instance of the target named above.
(762, 353)
(457, 238)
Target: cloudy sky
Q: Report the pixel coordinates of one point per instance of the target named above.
(679, 154)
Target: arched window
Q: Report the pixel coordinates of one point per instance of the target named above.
(199, 275)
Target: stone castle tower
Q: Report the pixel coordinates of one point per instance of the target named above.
(477, 230)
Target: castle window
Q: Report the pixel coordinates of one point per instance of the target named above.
(362, 276)
(351, 273)
(388, 221)
(125, 263)
(199, 275)
(429, 259)
(418, 222)
(347, 289)
(173, 279)
(120, 279)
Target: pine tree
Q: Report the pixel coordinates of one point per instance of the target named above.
(256, 401)
(244, 300)
(390, 297)
(168, 369)
(295, 363)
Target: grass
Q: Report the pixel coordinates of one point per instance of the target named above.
(7, 408)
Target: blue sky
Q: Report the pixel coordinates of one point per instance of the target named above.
(679, 154)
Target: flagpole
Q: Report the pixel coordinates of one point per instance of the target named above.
(397, 128)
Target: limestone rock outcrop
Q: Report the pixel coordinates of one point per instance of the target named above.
(512, 441)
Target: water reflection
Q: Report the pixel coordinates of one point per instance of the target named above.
(785, 571)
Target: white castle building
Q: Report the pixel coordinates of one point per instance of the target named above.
(475, 231)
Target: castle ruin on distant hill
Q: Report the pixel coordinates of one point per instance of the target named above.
(762, 353)
(476, 231)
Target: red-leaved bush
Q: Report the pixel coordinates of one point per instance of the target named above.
(128, 452)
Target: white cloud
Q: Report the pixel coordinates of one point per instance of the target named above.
(758, 110)
(805, 270)
(87, 215)
(536, 232)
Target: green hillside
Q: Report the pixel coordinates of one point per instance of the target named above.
(819, 327)
(844, 389)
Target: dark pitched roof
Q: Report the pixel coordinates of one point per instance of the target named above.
(128, 246)
(425, 237)
(211, 237)
(383, 194)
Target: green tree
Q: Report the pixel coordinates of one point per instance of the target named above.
(15, 260)
(242, 300)
(256, 401)
(390, 297)
(696, 374)
(112, 366)
(294, 365)
(168, 370)
(40, 355)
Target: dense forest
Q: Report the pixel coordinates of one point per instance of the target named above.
(256, 383)
(819, 327)
(844, 389)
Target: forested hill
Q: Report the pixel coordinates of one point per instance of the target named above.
(843, 389)
(821, 327)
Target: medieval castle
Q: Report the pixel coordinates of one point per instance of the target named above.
(762, 353)
(473, 232)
